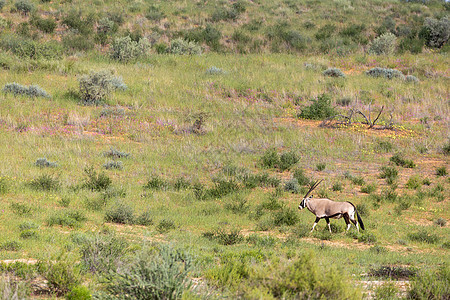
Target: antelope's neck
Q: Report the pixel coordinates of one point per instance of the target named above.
(309, 205)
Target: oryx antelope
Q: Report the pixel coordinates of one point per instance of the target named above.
(325, 209)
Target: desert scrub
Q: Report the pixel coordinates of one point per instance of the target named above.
(383, 45)
(319, 109)
(412, 79)
(441, 171)
(45, 183)
(369, 188)
(333, 72)
(96, 181)
(97, 86)
(62, 274)
(114, 153)
(287, 160)
(120, 213)
(44, 163)
(399, 160)
(292, 186)
(183, 47)
(423, 236)
(386, 73)
(156, 183)
(225, 236)
(389, 173)
(163, 273)
(165, 225)
(24, 6)
(69, 218)
(124, 49)
(436, 32)
(113, 165)
(414, 182)
(22, 90)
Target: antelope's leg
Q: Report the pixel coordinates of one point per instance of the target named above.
(315, 223)
(357, 227)
(347, 221)
(328, 223)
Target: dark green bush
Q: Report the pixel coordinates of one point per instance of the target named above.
(96, 181)
(319, 109)
(165, 225)
(163, 273)
(423, 236)
(367, 238)
(79, 293)
(24, 6)
(429, 284)
(73, 42)
(20, 209)
(441, 171)
(224, 14)
(325, 32)
(45, 25)
(144, 219)
(287, 160)
(270, 158)
(156, 183)
(292, 186)
(76, 21)
(70, 218)
(285, 216)
(27, 48)
(154, 13)
(224, 236)
(436, 32)
(302, 179)
(389, 173)
(2, 4)
(222, 187)
(11, 246)
(399, 160)
(45, 183)
(120, 213)
(102, 253)
(369, 188)
(383, 146)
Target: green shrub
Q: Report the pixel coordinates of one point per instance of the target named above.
(333, 72)
(440, 222)
(79, 293)
(292, 186)
(62, 275)
(325, 32)
(383, 45)
(270, 158)
(97, 86)
(4, 186)
(70, 218)
(414, 182)
(27, 225)
(124, 49)
(261, 241)
(383, 146)
(96, 181)
(113, 165)
(79, 23)
(319, 109)
(285, 216)
(423, 236)
(24, 6)
(163, 273)
(11, 246)
(369, 188)
(238, 204)
(165, 225)
(287, 160)
(11, 288)
(20, 209)
(367, 238)
(181, 183)
(45, 25)
(446, 148)
(120, 213)
(45, 183)
(400, 161)
(144, 219)
(441, 171)
(222, 187)
(156, 183)
(2, 4)
(73, 42)
(29, 234)
(389, 173)
(302, 179)
(214, 71)
(44, 163)
(183, 47)
(429, 284)
(436, 32)
(412, 78)
(21, 90)
(224, 236)
(102, 253)
(386, 73)
(224, 14)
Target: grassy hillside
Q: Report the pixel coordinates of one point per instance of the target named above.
(128, 169)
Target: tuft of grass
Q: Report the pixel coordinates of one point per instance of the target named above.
(225, 237)
(21, 209)
(165, 225)
(369, 188)
(441, 171)
(70, 218)
(337, 187)
(45, 182)
(44, 163)
(320, 166)
(399, 160)
(156, 183)
(120, 213)
(96, 181)
(423, 236)
(389, 173)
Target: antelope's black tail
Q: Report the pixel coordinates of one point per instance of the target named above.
(359, 220)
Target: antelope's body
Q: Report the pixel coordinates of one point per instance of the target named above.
(327, 209)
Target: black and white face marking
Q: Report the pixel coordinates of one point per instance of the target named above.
(303, 203)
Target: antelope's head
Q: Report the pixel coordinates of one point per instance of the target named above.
(308, 196)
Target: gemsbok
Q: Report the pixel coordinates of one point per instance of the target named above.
(324, 208)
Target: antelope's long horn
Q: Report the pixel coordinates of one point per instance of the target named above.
(313, 187)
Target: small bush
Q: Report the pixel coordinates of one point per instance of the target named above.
(156, 183)
(436, 32)
(62, 275)
(337, 187)
(237, 205)
(400, 161)
(386, 73)
(383, 45)
(412, 78)
(28, 225)
(20, 209)
(319, 109)
(154, 13)
(21, 90)
(383, 146)
(367, 238)
(222, 188)
(96, 181)
(113, 165)
(287, 160)
(44, 163)
(183, 47)
(224, 236)
(414, 182)
(181, 183)
(429, 284)
(440, 222)
(45, 25)
(69, 218)
(165, 225)
(441, 171)
(11, 246)
(79, 293)
(446, 148)
(363, 209)
(144, 219)
(97, 86)
(389, 173)
(124, 49)
(423, 236)
(101, 253)
(45, 183)
(120, 213)
(214, 71)
(114, 153)
(270, 159)
(333, 72)
(292, 186)
(29, 234)
(4, 186)
(163, 273)
(302, 179)
(369, 188)
(320, 166)
(24, 6)
(2, 4)
(285, 216)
